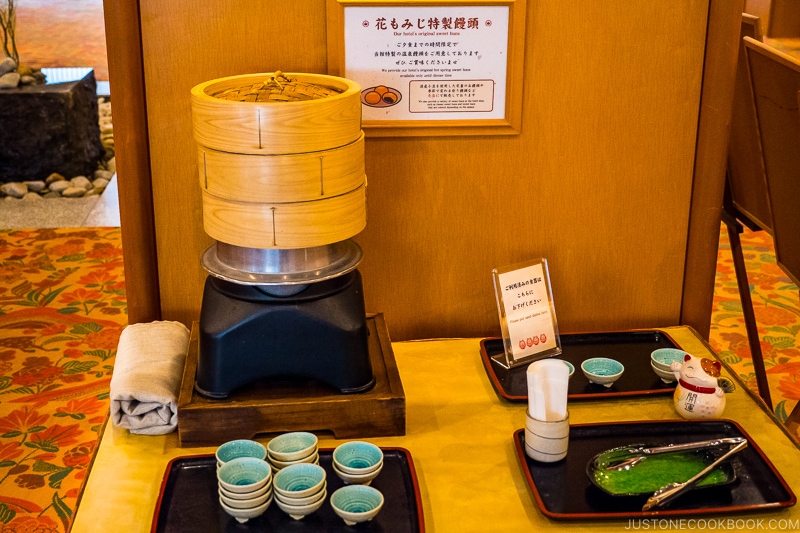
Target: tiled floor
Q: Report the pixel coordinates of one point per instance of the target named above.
(102, 210)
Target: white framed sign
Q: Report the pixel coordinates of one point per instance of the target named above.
(431, 68)
(527, 313)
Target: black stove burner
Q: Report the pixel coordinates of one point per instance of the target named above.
(247, 334)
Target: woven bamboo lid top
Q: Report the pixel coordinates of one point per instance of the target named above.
(278, 88)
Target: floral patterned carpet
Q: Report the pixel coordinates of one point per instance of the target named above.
(62, 309)
(776, 303)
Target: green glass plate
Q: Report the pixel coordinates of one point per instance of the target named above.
(654, 471)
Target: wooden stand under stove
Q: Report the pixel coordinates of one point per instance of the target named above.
(277, 407)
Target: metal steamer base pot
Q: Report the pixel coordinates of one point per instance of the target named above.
(282, 313)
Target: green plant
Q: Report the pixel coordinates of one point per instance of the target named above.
(8, 22)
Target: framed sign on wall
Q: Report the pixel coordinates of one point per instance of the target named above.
(430, 68)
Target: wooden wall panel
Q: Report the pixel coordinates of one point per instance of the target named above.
(599, 181)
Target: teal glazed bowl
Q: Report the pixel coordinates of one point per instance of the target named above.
(292, 446)
(357, 457)
(299, 480)
(240, 448)
(358, 479)
(602, 370)
(667, 376)
(244, 475)
(280, 465)
(664, 357)
(356, 503)
(305, 500)
(266, 489)
(249, 503)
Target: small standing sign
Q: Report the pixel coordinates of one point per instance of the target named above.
(527, 313)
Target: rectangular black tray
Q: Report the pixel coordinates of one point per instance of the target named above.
(562, 490)
(189, 502)
(631, 348)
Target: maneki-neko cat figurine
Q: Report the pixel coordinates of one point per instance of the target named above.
(700, 392)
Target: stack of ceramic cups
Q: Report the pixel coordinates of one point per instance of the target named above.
(357, 462)
(244, 479)
(661, 362)
(300, 489)
(292, 448)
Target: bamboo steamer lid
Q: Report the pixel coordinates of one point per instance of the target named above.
(282, 178)
(276, 113)
(281, 159)
(285, 225)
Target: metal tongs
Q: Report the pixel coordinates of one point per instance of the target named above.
(630, 455)
(671, 491)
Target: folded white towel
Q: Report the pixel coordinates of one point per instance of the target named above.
(147, 377)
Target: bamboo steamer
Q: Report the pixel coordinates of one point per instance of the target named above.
(282, 178)
(281, 159)
(285, 225)
(262, 119)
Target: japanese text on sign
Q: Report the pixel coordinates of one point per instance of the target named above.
(433, 62)
(528, 314)
(445, 23)
(447, 96)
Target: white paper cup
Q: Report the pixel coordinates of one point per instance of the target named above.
(546, 441)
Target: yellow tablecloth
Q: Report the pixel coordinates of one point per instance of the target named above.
(460, 435)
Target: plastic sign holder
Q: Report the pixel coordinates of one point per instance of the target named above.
(527, 313)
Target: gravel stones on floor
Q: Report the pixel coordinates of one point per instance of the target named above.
(57, 186)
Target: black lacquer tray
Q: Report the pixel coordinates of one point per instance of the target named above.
(631, 348)
(562, 490)
(189, 503)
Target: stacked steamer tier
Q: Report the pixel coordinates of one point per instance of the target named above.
(281, 167)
